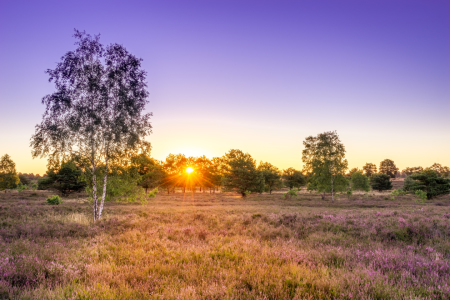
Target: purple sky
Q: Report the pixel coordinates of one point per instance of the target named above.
(255, 75)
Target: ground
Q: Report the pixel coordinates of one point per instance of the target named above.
(221, 246)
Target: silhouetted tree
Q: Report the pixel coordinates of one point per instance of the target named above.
(369, 169)
(96, 112)
(388, 167)
(409, 171)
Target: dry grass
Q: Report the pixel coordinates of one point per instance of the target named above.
(220, 246)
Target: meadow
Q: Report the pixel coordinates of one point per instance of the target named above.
(222, 246)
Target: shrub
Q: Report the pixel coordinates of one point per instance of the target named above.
(290, 194)
(422, 195)
(431, 183)
(21, 187)
(153, 193)
(34, 186)
(381, 182)
(54, 200)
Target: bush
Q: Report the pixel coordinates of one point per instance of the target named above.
(289, 194)
(54, 200)
(381, 182)
(422, 195)
(431, 183)
(21, 187)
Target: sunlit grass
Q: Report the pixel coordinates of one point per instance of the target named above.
(219, 246)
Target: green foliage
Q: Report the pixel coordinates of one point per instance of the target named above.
(369, 169)
(381, 182)
(153, 193)
(388, 167)
(240, 173)
(409, 184)
(409, 171)
(24, 179)
(360, 182)
(398, 192)
(20, 187)
(291, 193)
(293, 178)
(34, 186)
(8, 174)
(54, 200)
(122, 185)
(431, 183)
(272, 176)
(65, 178)
(422, 195)
(350, 193)
(324, 159)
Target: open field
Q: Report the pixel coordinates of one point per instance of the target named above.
(220, 246)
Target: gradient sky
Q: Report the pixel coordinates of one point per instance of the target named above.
(259, 76)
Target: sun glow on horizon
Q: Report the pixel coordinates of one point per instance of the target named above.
(189, 170)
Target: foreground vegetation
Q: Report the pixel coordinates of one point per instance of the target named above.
(221, 246)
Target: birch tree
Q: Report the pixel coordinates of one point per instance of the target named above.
(324, 159)
(97, 111)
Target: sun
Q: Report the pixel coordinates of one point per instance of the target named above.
(189, 170)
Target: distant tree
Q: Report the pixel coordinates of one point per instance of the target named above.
(369, 169)
(272, 176)
(430, 182)
(293, 178)
(360, 182)
(350, 173)
(441, 170)
(96, 112)
(240, 173)
(24, 179)
(66, 178)
(388, 167)
(8, 174)
(150, 171)
(324, 159)
(381, 182)
(409, 171)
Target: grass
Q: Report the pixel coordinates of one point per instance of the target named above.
(220, 246)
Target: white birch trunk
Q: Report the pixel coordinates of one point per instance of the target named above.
(94, 191)
(105, 179)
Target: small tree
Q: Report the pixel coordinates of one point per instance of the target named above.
(8, 174)
(388, 167)
(324, 159)
(360, 182)
(240, 173)
(441, 170)
(409, 171)
(272, 176)
(96, 112)
(430, 182)
(369, 169)
(381, 182)
(293, 178)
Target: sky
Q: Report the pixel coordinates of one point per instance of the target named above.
(259, 76)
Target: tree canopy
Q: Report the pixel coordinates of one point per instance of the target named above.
(97, 110)
(381, 182)
(8, 174)
(272, 176)
(240, 173)
(388, 167)
(369, 169)
(324, 159)
(293, 178)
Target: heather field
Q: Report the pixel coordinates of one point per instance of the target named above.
(220, 246)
